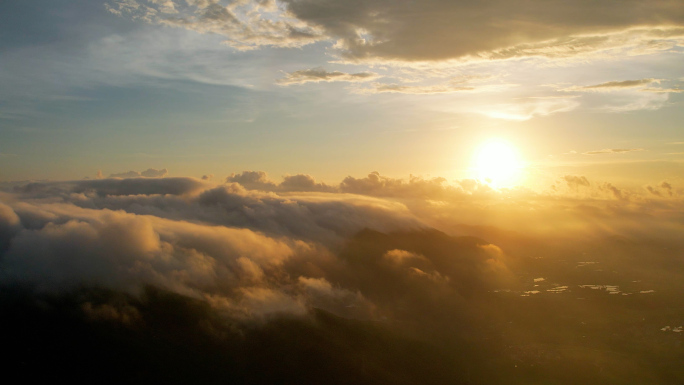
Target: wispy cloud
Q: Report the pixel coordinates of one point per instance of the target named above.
(528, 108)
(615, 85)
(612, 151)
(642, 85)
(379, 88)
(663, 90)
(316, 75)
(460, 83)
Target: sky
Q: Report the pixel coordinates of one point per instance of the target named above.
(335, 89)
(343, 191)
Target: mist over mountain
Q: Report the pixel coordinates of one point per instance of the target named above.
(176, 280)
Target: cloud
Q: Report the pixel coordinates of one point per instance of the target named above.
(326, 218)
(615, 85)
(207, 177)
(149, 173)
(399, 256)
(254, 253)
(10, 224)
(458, 83)
(252, 180)
(612, 191)
(316, 75)
(246, 25)
(258, 180)
(222, 269)
(122, 313)
(634, 94)
(302, 182)
(612, 151)
(153, 173)
(112, 187)
(248, 253)
(379, 88)
(126, 251)
(437, 29)
(634, 102)
(528, 108)
(667, 187)
(576, 181)
(662, 189)
(640, 85)
(377, 185)
(663, 90)
(225, 266)
(442, 30)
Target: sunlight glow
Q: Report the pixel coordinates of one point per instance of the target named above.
(497, 162)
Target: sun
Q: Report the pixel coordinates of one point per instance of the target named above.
(497, 163)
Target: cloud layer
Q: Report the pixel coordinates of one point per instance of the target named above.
(449, 267)
(252, 247)
(231, 246)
